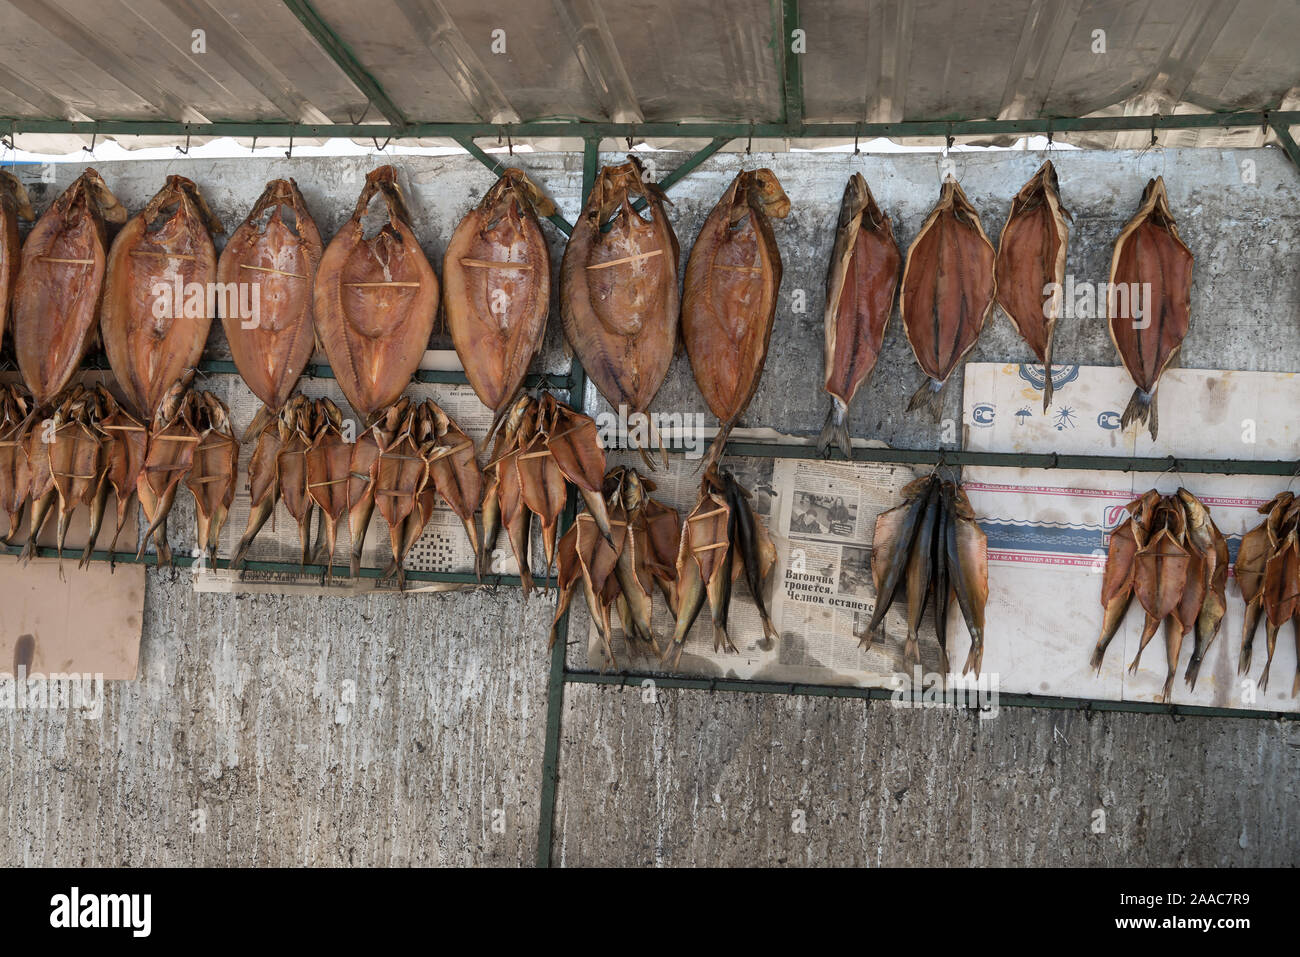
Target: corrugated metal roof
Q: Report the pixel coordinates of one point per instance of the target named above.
(397, 62)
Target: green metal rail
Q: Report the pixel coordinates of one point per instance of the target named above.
(341, 572)
(580, 129)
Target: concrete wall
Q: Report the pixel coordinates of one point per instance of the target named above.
(266, 730)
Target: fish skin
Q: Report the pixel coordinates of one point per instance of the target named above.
(1149, 250)
(14, 205)
(296, 429)
(1031, 260)
(1184, 617)
(172, 441)
(514, 513)
(972, 574)
(56, 303)
(719, 589)
(149, 354)
(1117, 584)
(504, 442)
(622, 321)
(1281, 594)
(544, 489)
(1213, 611)
(861, 283)
(214, 470)
(329, 466)
(375, 336)
(41, 492)
(747, 545)
(597, 559)
(282, 259)
(691, 593)
(917, 576)
(76, 462)
(626, 543)
(1159, 577)
(263, 486)
(948, 291)
(126, 446)
(729, 299)
(15, 472)
(497, 345)
(942, 587)
(568, 572)
(895, 552)
(454, 471)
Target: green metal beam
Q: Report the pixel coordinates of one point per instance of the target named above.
(691, 164)
(792, 77)
(937, 128)
(1004, 699)
(540, 380)
(341, 572)
(1025, 460)
(1288, 142)
(487, 159)
(559, 664)
(342, 55)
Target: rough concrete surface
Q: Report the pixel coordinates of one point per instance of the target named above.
(240, 744)
(728, 779)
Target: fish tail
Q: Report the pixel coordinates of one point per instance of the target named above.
(1141, 409)
(1047, 379)
(976, 657)
(1193, 671)
(1167, 694)
(1243, 661)
(835, 431)
(721, 640)
(866, 638)
(928, 397)
(1098, 655)
(716, 449)
(1263, 679)
(912, 648)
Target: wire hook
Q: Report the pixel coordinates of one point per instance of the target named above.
(288, 154)
(91, 148)
(185, 151)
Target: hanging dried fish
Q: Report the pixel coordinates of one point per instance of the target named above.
(126, 445)
(375, 301)
(361, 475)
(1031, 266)
(14, 205)
(1169, 554)
(213, 471)
(329, 463)
(40, 486)
(541, 481)
(263, 482)
(57, 294)
(618, 288)
(1149, 299)
(270, 265)
(497, 278)
(932, 547)
(949, 286)
(77, 464)
(860, 287)
(15, 473)
(514, 512)
(297, 425)
(156, 310)
(729, 303)
(503, 445)
(172, 442)
(400, 474)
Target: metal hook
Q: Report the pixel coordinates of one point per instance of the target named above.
(857, 132)
(749, 145)
(510, 143)
(288, 154)
(91, 148)
(1155, 118)
(253, 148)
(378, 148)
(185, 151)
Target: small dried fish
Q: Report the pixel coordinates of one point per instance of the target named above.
(213, 471)
(14, 205)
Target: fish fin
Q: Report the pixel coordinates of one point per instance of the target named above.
(928, 397)
(976, 657)
(1047, 380)
(835, 432)
(1192, 672)
(1141, 409)
(716, 448)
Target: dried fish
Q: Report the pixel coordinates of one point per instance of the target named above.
(266, 271)
(15, 472)
(618, 288)
(156, 309)
(497, 279)
(729, 303)
(213, 471)
(1149, 299)
(297, 428)
(172, 442)
(1031, 266)
(948, 291)
(56, 296)
(378, 434)
(375, 301)
(14, 205)
(263, 484)
(860, 287)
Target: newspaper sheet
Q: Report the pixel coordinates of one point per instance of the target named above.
(1049, 530)
(443, 547)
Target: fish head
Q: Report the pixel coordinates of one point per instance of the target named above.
(763, 190)
(14, 195)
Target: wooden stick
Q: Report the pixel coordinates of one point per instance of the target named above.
(738, 268)
(74, 262)
(367, 285)
(274, 272)
(143, 252)
(496, 264)
(627, 259)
